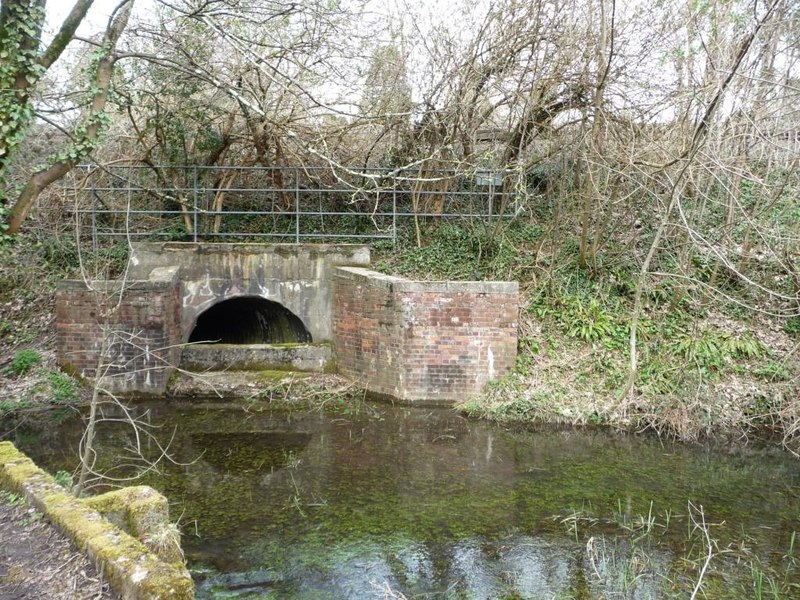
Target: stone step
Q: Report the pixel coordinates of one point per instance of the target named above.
(316, 358)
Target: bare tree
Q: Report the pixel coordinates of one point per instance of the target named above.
(85, 135)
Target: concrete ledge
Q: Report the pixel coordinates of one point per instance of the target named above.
(132, 571)
(315, 358)
(401, 284)
(113, 287)
(228, 247)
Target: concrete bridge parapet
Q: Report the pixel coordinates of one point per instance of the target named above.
(133, 330)
(295, 276)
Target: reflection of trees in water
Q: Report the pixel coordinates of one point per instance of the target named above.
(424, 500)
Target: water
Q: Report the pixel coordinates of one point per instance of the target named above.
(390, 502)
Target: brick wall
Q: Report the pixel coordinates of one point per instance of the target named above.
(137, 338)
(423, 342)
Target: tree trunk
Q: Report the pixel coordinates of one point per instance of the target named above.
(92, 124)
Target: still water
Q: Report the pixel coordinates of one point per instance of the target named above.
(376, 501)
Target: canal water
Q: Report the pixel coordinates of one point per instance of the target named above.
(375, 501)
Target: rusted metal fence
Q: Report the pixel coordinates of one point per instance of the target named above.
(288, 204)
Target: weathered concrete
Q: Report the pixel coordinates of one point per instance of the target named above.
(143, 513)
(132, 571)
(253, 357)
(132, 331)
(295, 276)
(423, 342)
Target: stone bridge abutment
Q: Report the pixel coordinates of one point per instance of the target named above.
(414, 341)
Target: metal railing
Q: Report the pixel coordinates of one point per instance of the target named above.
(281, 203)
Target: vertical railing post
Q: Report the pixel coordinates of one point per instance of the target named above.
(491, 197)
(296, 207)
(129, 205)
(194, 202)
(94, 209)
(394, 214)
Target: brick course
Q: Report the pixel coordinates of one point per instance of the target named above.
(423, 342)
(141, 328)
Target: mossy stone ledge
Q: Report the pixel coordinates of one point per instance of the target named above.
(133, 572)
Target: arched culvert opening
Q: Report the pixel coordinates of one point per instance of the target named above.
(249, 321)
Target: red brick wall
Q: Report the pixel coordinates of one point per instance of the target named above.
(140, 333)
(423, 341)
(365, 324)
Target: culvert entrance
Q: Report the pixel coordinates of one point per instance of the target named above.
(249, 320)
(252, 334)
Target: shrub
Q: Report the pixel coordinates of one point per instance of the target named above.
(63, 387)
(792, 326)
(64, 479)
(23, 361)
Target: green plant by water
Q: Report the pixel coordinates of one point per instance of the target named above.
(23, 362)
(63, 387)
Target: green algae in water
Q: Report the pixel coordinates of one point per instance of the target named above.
(249, 451)
(425, 502)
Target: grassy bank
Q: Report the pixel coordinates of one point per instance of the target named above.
(712, 361)
(708, 366)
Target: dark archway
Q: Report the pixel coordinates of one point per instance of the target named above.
(249, 320)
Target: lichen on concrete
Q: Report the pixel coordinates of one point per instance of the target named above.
(132, 570)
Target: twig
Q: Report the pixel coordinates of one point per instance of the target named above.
(704, 528)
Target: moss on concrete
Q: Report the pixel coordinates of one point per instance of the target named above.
(330, 367)
(136, 510)
(144, 514)
(275, 375)
(132, 571)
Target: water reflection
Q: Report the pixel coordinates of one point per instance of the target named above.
(419, 502)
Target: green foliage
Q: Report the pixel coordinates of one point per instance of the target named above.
(5, 239)
(746, 346)
(527, 348)
(23, 361)
(64, 479)
(467, 251)
(509, 400)
(84, 137)
(711, 349)
(19, 45)
(747, 193)
(587, 321)
(657, 374)
(704, 349)
(63, 387)
(9, 407)
(708, 352)
(11, 499)
(792, 326)
(450, 253)
(659, 294)
(584, 310)
(115, 257)
(532, 408)
(108, 261)
(772, 371)
(20, 33)
(59, 253)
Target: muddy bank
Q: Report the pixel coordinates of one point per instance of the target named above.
(36, 561)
